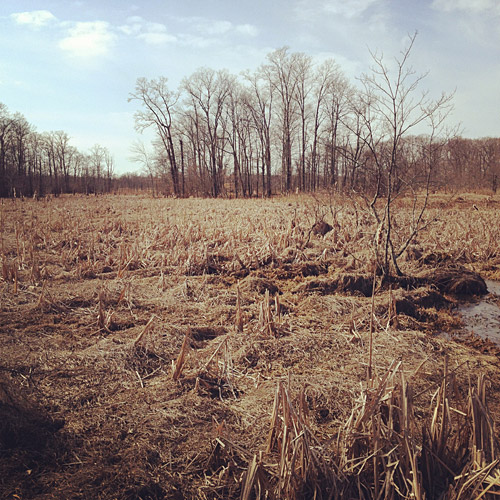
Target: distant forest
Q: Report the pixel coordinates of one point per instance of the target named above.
(35, 164)
(290, 125)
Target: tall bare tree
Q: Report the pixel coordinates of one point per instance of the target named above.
(207, 91)
(329, 93)
(303, 89)
(281, 72)
(159, 104)
(259, 101)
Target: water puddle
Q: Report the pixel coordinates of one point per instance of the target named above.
(493, 287)
(483, 317)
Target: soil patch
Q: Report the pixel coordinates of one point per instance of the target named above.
(30, 443)
(344, 283)
(259, 285)
(415, 302)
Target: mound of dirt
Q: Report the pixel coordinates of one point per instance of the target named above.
(427, 298)
(406, 306)
(355, 283)
(457, 280)
(415, 302)
(344, 283)
(321, 228)
(259, 285)
(304, 269)
(436, 258)
(200, 335)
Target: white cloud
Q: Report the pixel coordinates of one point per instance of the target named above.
(220, 28)
(151, 33)
(197, 32)
(88, 40)
(351, 19)
(217, 28)
(349, 9)
(197, 42)
(475, 20)
(35, 18)
(473, 6)
(134, 25)
(247, 29)
(208, 27)
(135, 19)
(156, 37)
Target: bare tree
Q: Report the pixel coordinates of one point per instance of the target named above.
(281, 72)
(6, 123)
(51, 161)
(329, 93)
(159, 104)
(194, 148)
(109, 164)
(62, 155)
(79, 163)
(142, 157)
(338, 93)
(35, 164)
(490, 154)
(259, 101)
(97, 164)
(303, 68)
(233, 121)
(208, 91)
(389, 110)
(20, 134)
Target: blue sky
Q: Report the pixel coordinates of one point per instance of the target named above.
(70, 65)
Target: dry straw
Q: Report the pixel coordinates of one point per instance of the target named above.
(239, 312)
(383, 451)
(178, 365)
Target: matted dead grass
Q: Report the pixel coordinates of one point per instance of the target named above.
(153, 346)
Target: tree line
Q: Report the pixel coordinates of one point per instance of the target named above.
(36, 164)
(289, 125)
(295, 125)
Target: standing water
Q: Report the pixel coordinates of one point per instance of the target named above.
(483, 317)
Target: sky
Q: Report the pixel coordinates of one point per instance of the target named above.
(71, 65)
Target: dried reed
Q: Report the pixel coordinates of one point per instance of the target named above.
(380, 453)
(239, 312)
(178, 365)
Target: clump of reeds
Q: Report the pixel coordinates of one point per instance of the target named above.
(383, 450)
(104, 317)
(218, 373)
(386, 449)
(266, 316)
(298, 469)
(270, 322)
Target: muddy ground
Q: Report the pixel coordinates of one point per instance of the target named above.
(99, 295)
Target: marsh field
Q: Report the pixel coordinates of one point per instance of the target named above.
(223, 349)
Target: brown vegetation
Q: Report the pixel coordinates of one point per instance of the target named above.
(221, 349)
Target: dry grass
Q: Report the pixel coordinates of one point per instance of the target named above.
(382, 450)
(223, 349)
